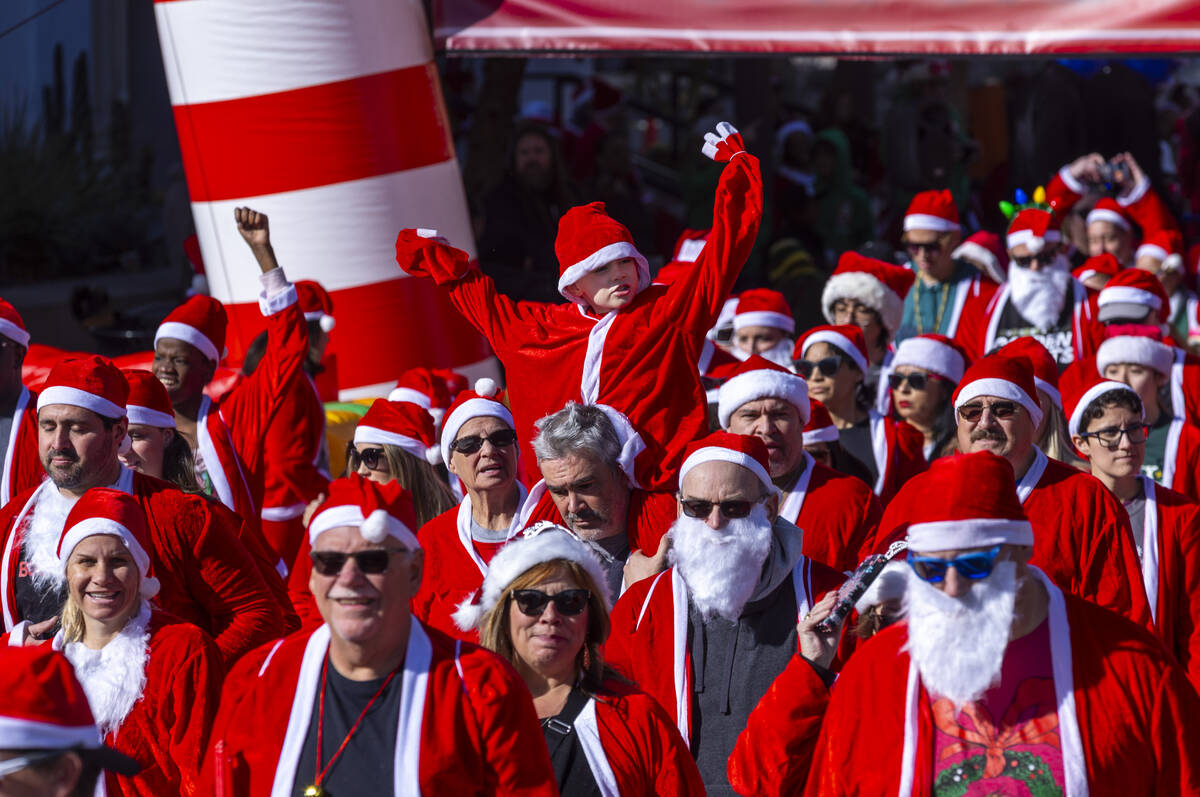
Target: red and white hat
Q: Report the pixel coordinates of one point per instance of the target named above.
(932, 210)
(454, 381)
(1134, 294)
(421, 386)
(689, 246)
(1166, 246)
(1103, 263)
(846, 338)
(879, 285)
(148, 402)
(200, 321)
(1082, 386)
(965, 501)
(1033, 228)
(820, 428)
(93, 383)
(377, 510)
(984, 249)
(763, 307)
(589, 238)
(401, 424)
(936, 353)
(12, 326)
(315, 303)
(1001, 376)
(739, 449)
(757, 378)
(1045, 367)
(104, 510)
(485, 401)
(1107, 209)
(1146, 350)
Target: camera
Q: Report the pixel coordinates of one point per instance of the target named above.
(1113, 174)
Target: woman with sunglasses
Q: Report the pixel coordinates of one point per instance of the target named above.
(924, 373)
(544, 607)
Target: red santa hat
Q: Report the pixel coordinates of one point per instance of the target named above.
(485, 401)
(983, 248)
(104, 510)
(888, 585)
(454, 381)
(1045, 367)
(1166, 246)
(1145, 350)
(846, 338)
(932, 210)
(1134, 293)
(820, 428)
(542, 542)
(966, 501)
(936, 353)
(147, 402)
(12, 326)
(1082, 386)
(589, 238)
(200, 321)
(315, 303)
(739, 449)
(1108, 210)
(879, 285)
(763, 307)
(93, 383)
(401, 424)
(689, 246)
(421, 386)
(756, 378)
(377, 510)
(1103, 263)
(1033, 228)
(1004, 377)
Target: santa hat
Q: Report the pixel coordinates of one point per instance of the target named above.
(740, 449)
(763, 307)
(12, 326)
(983, 248)
(200, 321)
(689, 246)
(542, 542)
(1137, 349)
(377, 510)
(1082, 386)
(756, 378)
(1045, 367)
(966, 501)
(932, 210)
(1033, 228)
(1103, 263)
(421, 386)
(1136, 294)
(1004, 377)
(888, 585)
(846, 338)
(454, 381)
(93, 383)
(1166, 246)
(104, 510)
(485, 401)
(879, 285)
(724, 318)
(147, 402)
(315, 303)
(401, 424)
(1108, 210)
(936, 353)
(820, 428)
(589, 238)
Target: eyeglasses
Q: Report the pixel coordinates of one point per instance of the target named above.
(827, 366)
(373, 458)
(915, 381)
(974, 566)
(532, 602)
(934, 248)
(371, 562)
(859, 313)
(1111, 437)
(499, 439)
(22, 762)
(1044, 257)
(732, 510)
(1000, 410)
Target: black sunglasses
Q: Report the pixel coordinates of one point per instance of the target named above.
(372, 562)
(532, 602)
(732, 510)
(934, 248)
(827, 366)
(915, 381)
(1044, 257)
(469, 445)
(373, 458)
(1001, 410)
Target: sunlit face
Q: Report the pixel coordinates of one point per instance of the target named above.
(1122, 460)
(147, 446)
(852, 311)
(381, 472)
(1104, 236)
(756, 339)
(1011, 437)
(549, 643)
(921, 407)
(592, 496)
(76, 449)
(103, 579)
(489, 468)
(839, 388)
(930, 251)
(777, 423)
(182, 368)
(610, 287)
(716, 482)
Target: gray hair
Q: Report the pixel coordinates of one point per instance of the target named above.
(577, 429)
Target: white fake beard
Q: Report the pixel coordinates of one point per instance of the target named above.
(780, 353)
(958, 644)
(44, 527)
(114, 677)
(721, 568)
(1040, 295)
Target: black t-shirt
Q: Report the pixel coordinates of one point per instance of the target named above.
(35, 605)
(1059, 340)
(366, 766)
(575, 778)
(858, 444)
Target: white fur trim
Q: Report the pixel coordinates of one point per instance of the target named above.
(411, 396)
(932, 355)
(23, 734)
(888, 585)
(839, 342)
(722, 454)
(765, 318)
(1111, 216)
(1173, 262)
(1139, 191)
(188, 334)
(1033, 243)
(763, 383)
(925, 221)
(61, 394)
(352, 515)
(999, 388)
(409, 445)
(113, 677)
(602, 256)
(946, 535)
(92, 526)
(1093, 393)
(689, 250)
(1151, 250)
(1135, 349)
(867, 289)
(969, 250)
(471, 408)
(1127, 294)
(149, 417)
(1069, 180)
(826, 434)
(14, 333)
(1050, 390)
(486, 387)
(325, 321)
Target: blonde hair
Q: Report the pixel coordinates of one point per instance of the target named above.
(431, 494)
(73, 628)
(1055, 443)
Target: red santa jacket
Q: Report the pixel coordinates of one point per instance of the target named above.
(977, 333)
(899, 451)
(265, 563)
(22, 465)
(1185, 387)
(1128, 720)
(1181, 460)
(208, 578)
(1142, 204)
(640, 360)
(466, 725)
(838, 513)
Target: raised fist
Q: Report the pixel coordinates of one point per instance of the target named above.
(723, 145)
(253, 226)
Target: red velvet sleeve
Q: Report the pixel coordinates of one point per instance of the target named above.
(1175, 727)
(195, 693)
(1112, 572)
(1184, 585)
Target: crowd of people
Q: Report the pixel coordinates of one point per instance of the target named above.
(944, 544)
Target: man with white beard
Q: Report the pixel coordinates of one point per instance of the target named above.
(707, 637)
(998, 682)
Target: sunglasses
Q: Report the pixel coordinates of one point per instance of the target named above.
(373, 458)
(371, 562)
(915, 381)
(974, 566)
(569, 602)
(732, 510)
(828, 366)
(1001, 410)
(1044, 257)
(499, 439)
(1111, 437)
(933, 247)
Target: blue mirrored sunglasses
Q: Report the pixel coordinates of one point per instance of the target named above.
(974, 565)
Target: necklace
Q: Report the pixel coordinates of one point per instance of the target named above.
(315, 790)
(941, 310)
